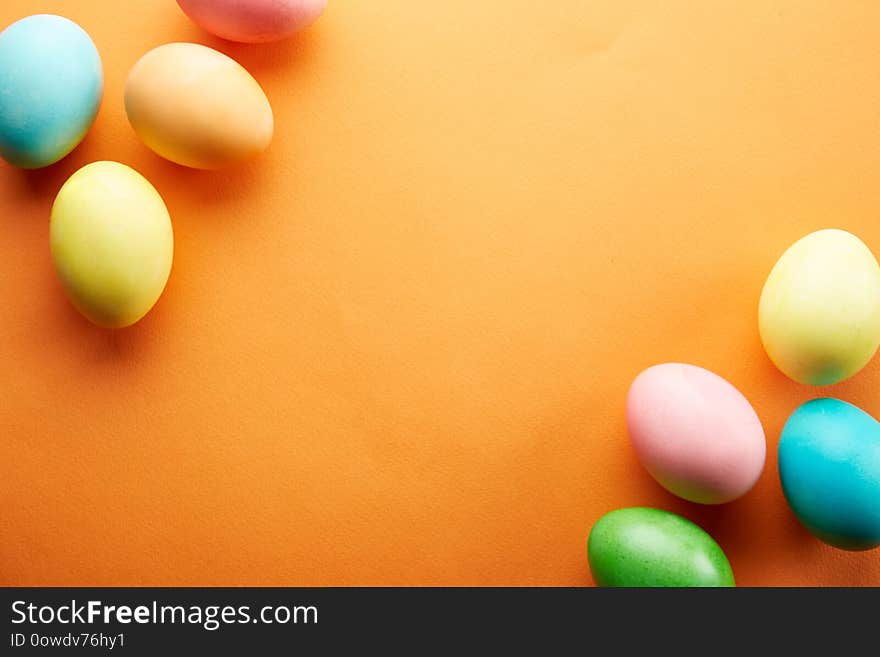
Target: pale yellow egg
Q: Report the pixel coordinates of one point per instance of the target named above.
(112, 243)
(819, 314)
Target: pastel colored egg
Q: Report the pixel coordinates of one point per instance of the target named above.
(819, 314)
(111, 242)
(253, 21)
(695, 433)
(640, 546)
(51, 84)
(197, 107)
(829, 466)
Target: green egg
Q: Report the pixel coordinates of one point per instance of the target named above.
(640, 546)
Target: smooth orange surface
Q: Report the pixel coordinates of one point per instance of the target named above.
(395, 349)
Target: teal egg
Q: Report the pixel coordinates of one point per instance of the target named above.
(640, 546)
(51, 85)
(829, 466)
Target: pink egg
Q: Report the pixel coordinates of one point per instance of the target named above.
(253, 21)
(695, 433)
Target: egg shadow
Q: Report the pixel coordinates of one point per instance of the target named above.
(297, 50)
(97, 345)
(39, 184)
(837, 567)
(729, 524)
(177, 183)
(54, 317)
(101, 344)
(734, 525)
(584, 575)
(43, 184)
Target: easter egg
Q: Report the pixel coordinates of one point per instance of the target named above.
(253, 21)
(819, 314)
(51, 85)
(197, 107)
(829, 466)
(640, 546)
(111, 242)
(695, 433)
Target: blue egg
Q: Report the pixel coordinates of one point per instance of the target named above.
(51, 85)
(829, 465)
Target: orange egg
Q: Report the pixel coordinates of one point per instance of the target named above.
(197, 107)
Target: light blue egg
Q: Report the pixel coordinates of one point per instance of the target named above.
(829, 465)
(51, 85)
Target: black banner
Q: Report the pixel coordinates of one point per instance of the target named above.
(416, 620)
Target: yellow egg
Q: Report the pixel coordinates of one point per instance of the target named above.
(819, 314)
(111, 242)
(197, 107)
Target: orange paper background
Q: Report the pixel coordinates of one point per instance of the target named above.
(395, 349)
